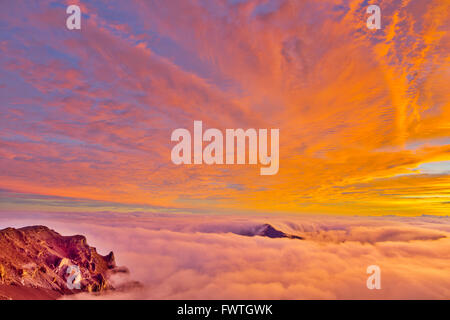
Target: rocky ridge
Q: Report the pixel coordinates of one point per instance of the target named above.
(38, 259)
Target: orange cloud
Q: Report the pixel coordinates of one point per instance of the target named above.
(356, 108)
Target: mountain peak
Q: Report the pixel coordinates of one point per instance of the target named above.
(267, 230)
(38, 258)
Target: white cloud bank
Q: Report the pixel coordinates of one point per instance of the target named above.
(202, 257)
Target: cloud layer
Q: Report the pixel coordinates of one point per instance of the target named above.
(201, 257)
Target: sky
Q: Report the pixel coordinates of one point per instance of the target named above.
(86, 115)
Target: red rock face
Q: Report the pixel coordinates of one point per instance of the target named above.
(35, 260)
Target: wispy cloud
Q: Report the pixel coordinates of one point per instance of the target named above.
(88, 115)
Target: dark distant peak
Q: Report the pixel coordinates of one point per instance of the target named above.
(266, 230)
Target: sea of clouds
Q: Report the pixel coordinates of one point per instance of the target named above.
(178, 256)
